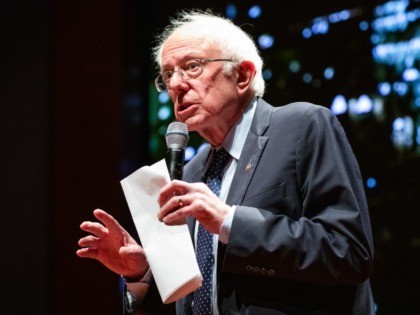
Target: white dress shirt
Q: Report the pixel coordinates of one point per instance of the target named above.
(233, 144)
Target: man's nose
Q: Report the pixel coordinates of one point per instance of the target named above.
(178, 81)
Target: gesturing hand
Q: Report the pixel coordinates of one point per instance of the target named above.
(113, 246)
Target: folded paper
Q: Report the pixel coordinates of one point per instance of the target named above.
(169, 249)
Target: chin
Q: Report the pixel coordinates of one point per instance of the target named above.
(192, 123)
(197, 123)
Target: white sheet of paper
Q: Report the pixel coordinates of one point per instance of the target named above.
(169, 249)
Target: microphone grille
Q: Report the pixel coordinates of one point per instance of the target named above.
(177, 135)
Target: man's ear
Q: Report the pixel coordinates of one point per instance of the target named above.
(246, 72)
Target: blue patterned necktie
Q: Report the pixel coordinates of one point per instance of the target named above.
(202, 297)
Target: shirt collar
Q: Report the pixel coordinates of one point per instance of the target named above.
(235, 139)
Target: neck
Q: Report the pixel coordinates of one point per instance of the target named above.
(215, 135)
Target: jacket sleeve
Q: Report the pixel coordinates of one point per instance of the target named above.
(152, 303)
(330, 240)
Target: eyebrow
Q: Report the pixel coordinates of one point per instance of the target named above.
(184, 59)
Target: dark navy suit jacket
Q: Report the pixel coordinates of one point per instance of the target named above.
(300, 241)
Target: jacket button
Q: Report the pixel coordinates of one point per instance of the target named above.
(249, 268)
(256, 269)
(271, 272)
(263, 271)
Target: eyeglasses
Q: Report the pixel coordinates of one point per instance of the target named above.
(189, 70)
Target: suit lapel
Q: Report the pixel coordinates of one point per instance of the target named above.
(248, 161)
(251, 153)
(199, 171)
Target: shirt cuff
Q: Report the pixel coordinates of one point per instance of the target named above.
(137, 290)
(227, 226)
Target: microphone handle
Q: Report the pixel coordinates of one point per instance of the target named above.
(175, 162)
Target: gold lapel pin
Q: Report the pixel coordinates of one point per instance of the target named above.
(248, 167)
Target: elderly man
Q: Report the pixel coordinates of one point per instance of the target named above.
(275, 204)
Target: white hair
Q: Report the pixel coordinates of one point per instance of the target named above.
(221, 32)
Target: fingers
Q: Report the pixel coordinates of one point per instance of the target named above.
(174, 188)
(87, 253)
(98, 229)
(175, 203)
(90, 246)
(107, 219)
(89, 241)
(177, 217)
(172, 199)
(179, 199)
(95, 228)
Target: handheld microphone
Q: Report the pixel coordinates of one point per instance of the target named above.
(176, 141)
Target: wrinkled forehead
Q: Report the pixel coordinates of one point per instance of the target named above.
(185, 43)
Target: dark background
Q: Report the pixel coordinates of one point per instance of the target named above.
(74, 81)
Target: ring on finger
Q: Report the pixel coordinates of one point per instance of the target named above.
(181, 204)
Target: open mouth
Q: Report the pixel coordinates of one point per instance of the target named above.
(185, 106)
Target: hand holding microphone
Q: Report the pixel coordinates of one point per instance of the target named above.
(180, 199)
(176, 141)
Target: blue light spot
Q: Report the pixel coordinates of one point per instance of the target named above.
(375, 39)
(189, 153)
(307, 77)
(364, 26)
(267, 74)
(409, 60)
(418, 135)
(334, 17)
(255, 12)
(265, 41)
(329, 73)
(231, 11)
(164, 113)
(323, 27)
(339, 105)
(398, 124)
(344, 15)
(294, 66)
(371, 183)
(384, 88)
(364, 104)
(163, 97)
(401, 88)
(403, 132)
(410, 74)
(379, 11)
(412, 16)
(320, 27)
(306, 33)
